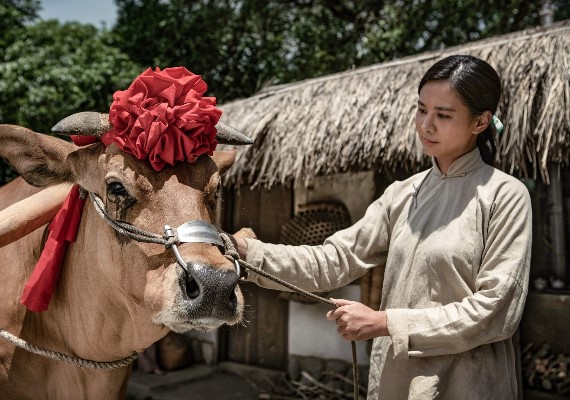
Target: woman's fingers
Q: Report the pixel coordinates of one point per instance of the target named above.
(340, 310)
(342, 302)
(355, 321)
(331, 316)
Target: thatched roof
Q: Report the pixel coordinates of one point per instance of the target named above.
(364, 119)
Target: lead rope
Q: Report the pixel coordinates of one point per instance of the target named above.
(232, 255)
(55, 355)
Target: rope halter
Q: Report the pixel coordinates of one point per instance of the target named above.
(196, 231)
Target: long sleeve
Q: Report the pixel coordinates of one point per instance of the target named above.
(494, 310)
(343, 257)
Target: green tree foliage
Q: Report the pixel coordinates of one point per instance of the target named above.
(237, 46)
(53, 70)
(240, 46)
(14, 14)
(49, 70)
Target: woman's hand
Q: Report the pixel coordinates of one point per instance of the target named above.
(240, 245)
(239, 242)
(355, 321)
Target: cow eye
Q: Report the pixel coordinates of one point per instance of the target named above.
(117, 189)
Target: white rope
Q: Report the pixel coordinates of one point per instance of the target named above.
(54, 355)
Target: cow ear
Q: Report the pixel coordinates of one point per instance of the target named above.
(224, 159)
(39, 159)
(83, 163)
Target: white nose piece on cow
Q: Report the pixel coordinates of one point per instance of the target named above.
(198, 232)
(194, 232)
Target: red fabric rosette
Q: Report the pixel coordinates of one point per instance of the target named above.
(163, 116)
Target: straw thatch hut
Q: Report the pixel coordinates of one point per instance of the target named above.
(344, 137)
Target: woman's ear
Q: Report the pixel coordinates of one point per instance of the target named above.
(482, 122)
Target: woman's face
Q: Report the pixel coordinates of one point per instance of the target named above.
(445, 125)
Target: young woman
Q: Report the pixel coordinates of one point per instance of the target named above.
(456, 240)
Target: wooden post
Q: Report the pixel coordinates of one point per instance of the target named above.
(31, 213)
(555, 201)
(556, 219)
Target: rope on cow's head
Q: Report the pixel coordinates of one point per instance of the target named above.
(192, 231)
(129, 230)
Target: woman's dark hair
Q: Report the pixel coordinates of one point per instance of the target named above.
(479, 88)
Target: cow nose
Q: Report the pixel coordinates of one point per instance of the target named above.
(210, 291)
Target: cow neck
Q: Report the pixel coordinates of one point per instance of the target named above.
(39, 288)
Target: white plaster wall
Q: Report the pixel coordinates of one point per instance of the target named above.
(355, 190)
(310, 333)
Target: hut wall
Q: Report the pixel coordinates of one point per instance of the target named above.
(543, 269)
(274, 328)
(310, 334)
(356, 191)
(545, 323)
(261, 340)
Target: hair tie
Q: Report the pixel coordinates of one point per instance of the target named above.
(498, 124)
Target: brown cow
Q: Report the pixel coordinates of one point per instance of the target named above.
(116, 296)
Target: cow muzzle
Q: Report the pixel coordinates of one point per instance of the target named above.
(209, 292)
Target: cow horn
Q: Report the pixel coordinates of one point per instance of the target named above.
(91, 123)
(86, 123)
(229, 135)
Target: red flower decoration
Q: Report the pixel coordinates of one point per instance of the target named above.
(164, 117)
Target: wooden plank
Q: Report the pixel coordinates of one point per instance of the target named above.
(262, 339)
(272, 328)
(240, 339)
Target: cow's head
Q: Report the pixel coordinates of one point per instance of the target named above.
(134, 193)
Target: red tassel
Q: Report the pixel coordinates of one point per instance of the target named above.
(63, 229)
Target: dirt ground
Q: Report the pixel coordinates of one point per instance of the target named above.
(225, 381)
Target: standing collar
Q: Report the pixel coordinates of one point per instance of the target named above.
(462, 166)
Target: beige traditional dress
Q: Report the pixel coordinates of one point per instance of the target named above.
(457, 252)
